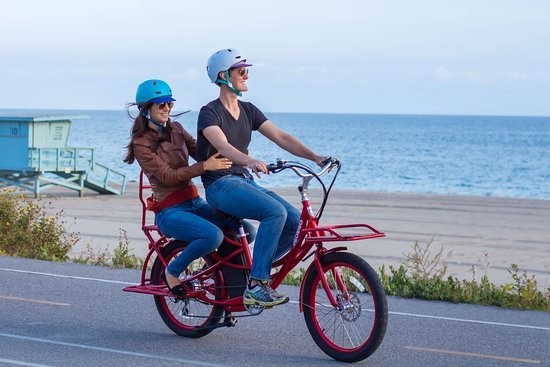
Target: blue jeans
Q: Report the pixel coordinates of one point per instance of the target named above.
(243, 198)
(195, 222)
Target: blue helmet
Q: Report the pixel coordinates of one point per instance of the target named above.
(153, 90)
(223, 60)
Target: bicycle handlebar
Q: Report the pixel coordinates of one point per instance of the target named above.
(306, 177)
(297, 167)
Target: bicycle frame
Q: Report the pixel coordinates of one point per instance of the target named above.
(156, 241)
(309, 235)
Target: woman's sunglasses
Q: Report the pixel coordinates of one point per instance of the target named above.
(162, 105)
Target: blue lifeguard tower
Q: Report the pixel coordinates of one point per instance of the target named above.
(34, 156)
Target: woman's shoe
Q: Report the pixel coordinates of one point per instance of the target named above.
(178, 290)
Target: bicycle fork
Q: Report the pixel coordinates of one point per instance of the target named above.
(336, 277)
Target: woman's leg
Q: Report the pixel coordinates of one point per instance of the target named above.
(184, 222)
(237, 197)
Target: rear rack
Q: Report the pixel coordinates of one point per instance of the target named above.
(328, 233)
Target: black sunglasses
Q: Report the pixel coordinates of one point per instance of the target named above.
(162, 105)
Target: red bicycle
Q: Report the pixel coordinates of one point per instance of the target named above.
(341, 296)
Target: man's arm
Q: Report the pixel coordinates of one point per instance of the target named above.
(217, 138)
(289, 142)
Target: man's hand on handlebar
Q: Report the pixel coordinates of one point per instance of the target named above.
(257, 167)
(321, 160)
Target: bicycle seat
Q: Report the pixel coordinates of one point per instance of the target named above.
(225, 215)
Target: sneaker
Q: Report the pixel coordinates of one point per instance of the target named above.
(260, 295)
(273, 293)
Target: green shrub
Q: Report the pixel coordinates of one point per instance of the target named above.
(27, 229)
(294, 277)
(423, 276)
(121, 257)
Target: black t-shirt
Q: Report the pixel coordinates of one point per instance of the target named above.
(238, 133)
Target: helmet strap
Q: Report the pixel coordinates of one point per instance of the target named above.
(160, 127)
(227, 82)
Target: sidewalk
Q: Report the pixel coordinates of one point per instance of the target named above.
(489, 234)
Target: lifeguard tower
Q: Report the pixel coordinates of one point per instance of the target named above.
(34, 156)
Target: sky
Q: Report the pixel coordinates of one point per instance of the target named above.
(465, 57)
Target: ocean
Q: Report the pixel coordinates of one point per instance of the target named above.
(490, 156)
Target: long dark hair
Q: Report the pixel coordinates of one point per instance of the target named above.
(140, 126)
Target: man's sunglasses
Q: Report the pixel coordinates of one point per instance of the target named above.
(242, 71)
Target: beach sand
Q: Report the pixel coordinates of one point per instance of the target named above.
(487, 234)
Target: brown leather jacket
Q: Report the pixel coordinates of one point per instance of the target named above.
(166, 163)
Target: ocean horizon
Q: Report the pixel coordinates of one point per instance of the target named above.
(487, 156)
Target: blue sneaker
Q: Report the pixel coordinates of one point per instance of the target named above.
(260, 295)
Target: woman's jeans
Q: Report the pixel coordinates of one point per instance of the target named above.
(243, 198)
(195, 222)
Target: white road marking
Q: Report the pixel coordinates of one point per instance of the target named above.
(390, 312)
(476, 355)
(21, 363)
(471, 321)
(32, 300)
(111, 350)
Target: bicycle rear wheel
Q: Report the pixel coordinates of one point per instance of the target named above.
(187, 316)
(354, 329)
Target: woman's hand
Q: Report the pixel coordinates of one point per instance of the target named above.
(214, 163)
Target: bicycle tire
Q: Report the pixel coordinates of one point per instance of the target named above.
(188, 317)
(354, 330)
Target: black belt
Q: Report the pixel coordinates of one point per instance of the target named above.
(243, 175)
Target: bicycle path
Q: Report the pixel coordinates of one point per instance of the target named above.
(64, 314)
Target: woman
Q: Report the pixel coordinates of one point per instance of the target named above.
(162, 148)
(225, 127)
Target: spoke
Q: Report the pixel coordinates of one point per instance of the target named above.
(348, 327)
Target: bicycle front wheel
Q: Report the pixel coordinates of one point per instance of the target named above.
(187, 316)
(351, 330)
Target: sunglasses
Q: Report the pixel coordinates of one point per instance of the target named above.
(162, 105)
(242, 71)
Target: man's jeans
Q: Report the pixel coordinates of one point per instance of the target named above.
(243, 198)
(195, 222)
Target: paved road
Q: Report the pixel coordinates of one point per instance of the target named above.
(55, 314)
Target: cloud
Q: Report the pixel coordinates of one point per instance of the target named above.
(190, 74)
(517, 75)
(442, 73)
(479, 78)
